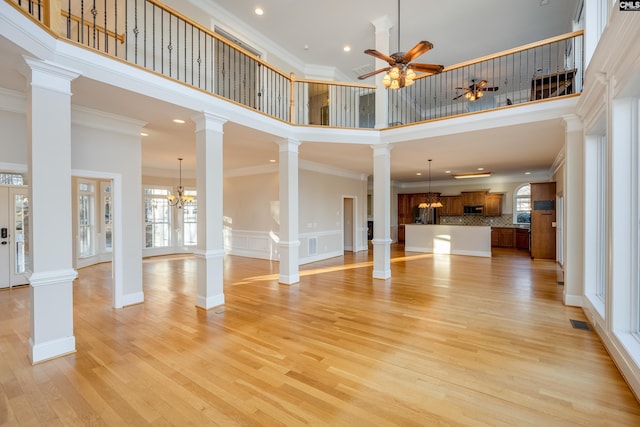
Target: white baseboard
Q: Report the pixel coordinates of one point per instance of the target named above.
(209, 302)
(51, 349)
(132, 299)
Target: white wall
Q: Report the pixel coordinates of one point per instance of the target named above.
(107, 146)
(251, 210)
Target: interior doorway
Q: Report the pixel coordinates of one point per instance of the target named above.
(348, 224)
(14, 246)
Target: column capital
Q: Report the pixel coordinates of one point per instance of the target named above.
(49, 75)
(382, 24)
(571, 123)
(209, 121)
(289, 144)
(381, 149)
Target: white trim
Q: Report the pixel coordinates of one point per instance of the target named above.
(210, 302)
(117, 258)
(132, 299)
(51, 349)
(52, 277)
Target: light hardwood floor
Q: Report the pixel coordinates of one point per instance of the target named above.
(448, 340)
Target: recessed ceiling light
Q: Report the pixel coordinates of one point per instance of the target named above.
(178, 121)
(144, 134)
(418, 173)
(480, 169)
(259, 11)
(347, 48)
(527, 173)
(447, 171)
(272, 160)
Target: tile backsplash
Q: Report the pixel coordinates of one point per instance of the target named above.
(494, 221)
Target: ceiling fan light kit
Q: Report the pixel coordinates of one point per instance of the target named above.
(401, 72)
(475, 90)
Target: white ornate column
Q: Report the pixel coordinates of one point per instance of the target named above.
(289, 245)
(573, 211)
(50, 229)
(382, 30)
(209, 186)
(381, 211)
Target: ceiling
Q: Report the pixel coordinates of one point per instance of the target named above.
(460, 31)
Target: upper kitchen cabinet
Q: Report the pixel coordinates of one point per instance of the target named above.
(473, 198)
(493, 204)
(451, 206)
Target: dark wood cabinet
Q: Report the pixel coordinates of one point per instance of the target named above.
(543, 220)
(451, 206)
(522, 238)
(409, 211)
(473, 198)
(493, 204)
(503, 237)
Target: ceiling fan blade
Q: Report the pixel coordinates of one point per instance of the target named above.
(489, 89)
(480, 84)
(373, 73)
(427, 68)
(380, 55)
(459, 96)
(416, 51)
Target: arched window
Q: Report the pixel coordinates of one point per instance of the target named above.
(522, 205)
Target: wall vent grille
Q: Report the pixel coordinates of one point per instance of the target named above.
(313, 245)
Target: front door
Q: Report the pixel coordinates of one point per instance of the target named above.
(14, 254)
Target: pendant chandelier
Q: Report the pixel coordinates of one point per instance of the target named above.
(181, 199)
(433, 202)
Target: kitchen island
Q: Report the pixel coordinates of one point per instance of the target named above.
(448, 239)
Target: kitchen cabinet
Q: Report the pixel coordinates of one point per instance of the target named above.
(404, 209)
(451, 206)
(503, 237)
(473, 198)
(493, 204)
(543, 220)
(522, 238)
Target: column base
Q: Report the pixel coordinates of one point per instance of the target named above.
(132, 299)
(51, 349)
(207, 303)
(289, 279)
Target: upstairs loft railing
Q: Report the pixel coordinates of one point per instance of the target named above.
(542, 70)
(153, 36)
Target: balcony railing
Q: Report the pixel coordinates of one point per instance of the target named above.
(542, 70)
(159, 39)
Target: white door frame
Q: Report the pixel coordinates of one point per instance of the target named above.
(9, 276)
(354, 228)
(117, 263)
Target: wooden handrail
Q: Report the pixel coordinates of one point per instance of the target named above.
(512, 51)
(90, 24)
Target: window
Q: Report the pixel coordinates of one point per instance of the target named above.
(86, 219)
(190, 220)
(600, 212)
(522, 203)
(157, 225)
(11, 178)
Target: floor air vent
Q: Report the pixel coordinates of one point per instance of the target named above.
(579, 324)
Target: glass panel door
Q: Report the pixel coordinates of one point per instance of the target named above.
(20, 259)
